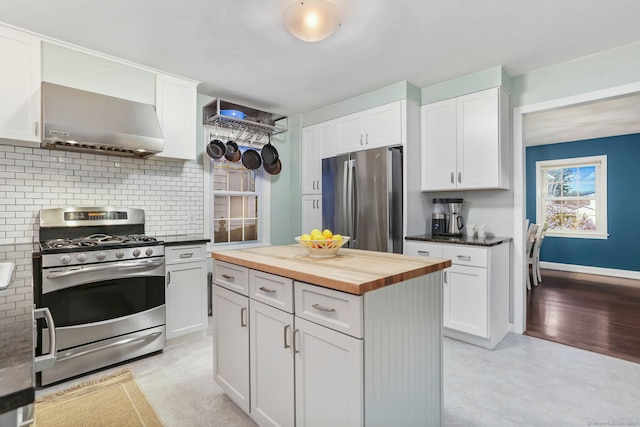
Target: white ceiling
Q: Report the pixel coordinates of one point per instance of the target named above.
(610, 117)
(240, 51)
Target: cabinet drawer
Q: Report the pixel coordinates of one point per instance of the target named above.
(465, 255)
(276, 291)
(191, 253)
(333, 309)
(231, 276)
(431, 250)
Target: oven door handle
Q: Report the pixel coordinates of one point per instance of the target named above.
(143, 263)
(46, 360)
(71, 354)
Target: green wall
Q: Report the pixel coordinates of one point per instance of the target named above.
(611, 68)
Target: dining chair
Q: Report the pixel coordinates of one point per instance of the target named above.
(535, 254)
(532, 230)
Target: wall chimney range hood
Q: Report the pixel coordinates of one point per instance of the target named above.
(81, 121)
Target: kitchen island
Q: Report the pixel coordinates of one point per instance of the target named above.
(350, 340)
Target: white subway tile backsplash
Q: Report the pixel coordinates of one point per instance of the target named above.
(33, 179)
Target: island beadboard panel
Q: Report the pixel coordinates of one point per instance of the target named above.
(351, 270)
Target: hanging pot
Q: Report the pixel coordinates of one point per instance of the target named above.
(232, 152)
(273, 169)
(216, 149)
(269, 153)
(251, 159)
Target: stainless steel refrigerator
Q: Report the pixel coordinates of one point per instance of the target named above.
(362, 198)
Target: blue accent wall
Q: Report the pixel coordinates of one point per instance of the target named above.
(620, 251)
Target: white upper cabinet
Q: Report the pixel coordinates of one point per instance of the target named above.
(314, 138)
(20, 78)
(465, 142)
(373, 128)
(176, 109)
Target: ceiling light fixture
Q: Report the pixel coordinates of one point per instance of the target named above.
(311, 20)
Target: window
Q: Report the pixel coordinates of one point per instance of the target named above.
(236, 203)
(572, 196)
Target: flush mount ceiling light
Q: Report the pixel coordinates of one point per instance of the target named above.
(311, 20)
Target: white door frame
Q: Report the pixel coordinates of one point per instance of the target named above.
(519, 188)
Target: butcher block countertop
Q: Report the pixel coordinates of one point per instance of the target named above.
(351, 270)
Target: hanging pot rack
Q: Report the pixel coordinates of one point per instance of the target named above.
(256, 121)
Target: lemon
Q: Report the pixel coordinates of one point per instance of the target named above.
(327, 233)
(315, 231)
(317, 236)
(337, 237)
(305, 237)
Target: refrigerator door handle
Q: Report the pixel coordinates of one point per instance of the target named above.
(354, 204)
(345, 196)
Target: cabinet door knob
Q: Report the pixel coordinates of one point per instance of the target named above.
(452, 178)
(445, 277)
(168, 278)
(367, 139)
(361, 140)
(459, 177)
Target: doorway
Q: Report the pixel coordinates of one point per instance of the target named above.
(519, 185)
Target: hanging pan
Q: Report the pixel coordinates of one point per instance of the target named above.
(269, 153)
(273, 169)
(216, 149)
(251, 159)
(232, 152)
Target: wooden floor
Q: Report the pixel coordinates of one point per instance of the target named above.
(591, 312)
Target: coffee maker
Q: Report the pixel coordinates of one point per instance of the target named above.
(446, 219)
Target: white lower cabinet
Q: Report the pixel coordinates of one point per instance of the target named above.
(271, 355)
(476, 290)
(329, 377)
(465, 302)
(231, 345)
(186, 290)
(311, 212)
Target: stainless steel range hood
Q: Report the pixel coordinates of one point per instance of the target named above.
(77, 120)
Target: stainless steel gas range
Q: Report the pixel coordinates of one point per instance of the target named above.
(102, 280)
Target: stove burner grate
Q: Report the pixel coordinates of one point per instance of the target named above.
(98, 240)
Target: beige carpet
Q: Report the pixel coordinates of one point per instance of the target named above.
(115, 400)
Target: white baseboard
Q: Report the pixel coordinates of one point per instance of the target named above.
(624, 274)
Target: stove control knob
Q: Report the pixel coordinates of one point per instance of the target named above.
(149, 251)
(119, 253)
(136, 252)
(65, 259)
(82, 257)
(101, 256)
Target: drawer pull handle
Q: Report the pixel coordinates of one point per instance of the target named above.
(267, 290)
(226, 276)
(189, 255)
(286, 344)
(464, 257)
(423, 253)
(321, 308)
(445, 277)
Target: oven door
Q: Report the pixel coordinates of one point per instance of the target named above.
(94, 302)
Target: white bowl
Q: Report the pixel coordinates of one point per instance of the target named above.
(322, 248)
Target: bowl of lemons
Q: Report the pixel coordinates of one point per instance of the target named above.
(322, 244)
